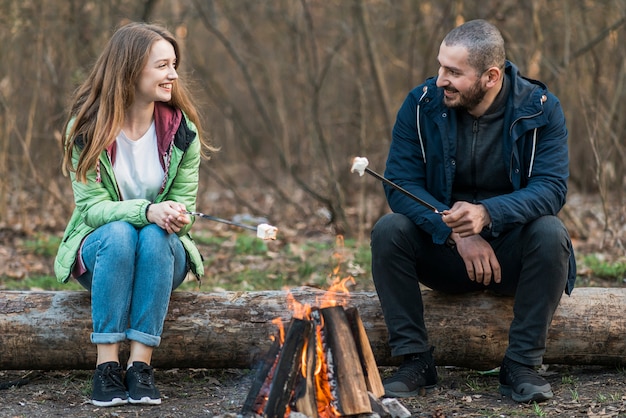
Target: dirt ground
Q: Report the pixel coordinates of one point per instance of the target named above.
(578, 392)
(583, 391)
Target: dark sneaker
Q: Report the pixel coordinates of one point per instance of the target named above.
(522, 383)
(140, 384)
(108, 386)
(416, 373)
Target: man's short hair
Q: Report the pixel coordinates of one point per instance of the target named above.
(483, 42)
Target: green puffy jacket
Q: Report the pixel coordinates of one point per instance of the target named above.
(98, 200)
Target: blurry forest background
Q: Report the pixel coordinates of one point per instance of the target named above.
(291, 90)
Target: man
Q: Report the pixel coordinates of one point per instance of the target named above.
(488, 148)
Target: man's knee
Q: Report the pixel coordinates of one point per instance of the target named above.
(390, 225)
(392, 232)
(547, 231)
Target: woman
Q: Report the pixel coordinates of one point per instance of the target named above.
(132, 150)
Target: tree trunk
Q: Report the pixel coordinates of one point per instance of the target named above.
(50, 330)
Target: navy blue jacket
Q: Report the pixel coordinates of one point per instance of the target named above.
(422, 158)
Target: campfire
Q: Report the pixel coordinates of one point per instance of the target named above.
(321, 365)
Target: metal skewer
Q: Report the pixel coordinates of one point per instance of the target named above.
(224, 221)
(360, 164)
(263, 231)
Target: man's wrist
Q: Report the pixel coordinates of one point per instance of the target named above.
(450, 242)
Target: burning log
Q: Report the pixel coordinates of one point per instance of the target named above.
(280, 382)
(370, 368)
(50, 330)
(350, 390)
(319, 373)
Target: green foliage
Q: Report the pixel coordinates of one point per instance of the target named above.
(604, 269)
(249, 244)
(37, 283)
(42, 244)
(472, 383)
(538, 410)
(209, 239)
(568, 379)
(238, 262)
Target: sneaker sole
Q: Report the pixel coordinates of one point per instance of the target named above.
(145, 401)
(531, 397)
(113, 402)
(417, 392)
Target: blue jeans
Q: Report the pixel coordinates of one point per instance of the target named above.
(131, 274)
(534, 260)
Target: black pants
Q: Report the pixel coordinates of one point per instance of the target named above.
(534, 263)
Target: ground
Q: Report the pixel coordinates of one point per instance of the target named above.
(582, 391)
(578, 392)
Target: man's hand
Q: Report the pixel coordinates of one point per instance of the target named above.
(168, 215)
(480, 261)
(466, 219)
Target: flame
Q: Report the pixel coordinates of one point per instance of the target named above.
(281, 330)
(299, 310)
(337, 294)
(323, 391)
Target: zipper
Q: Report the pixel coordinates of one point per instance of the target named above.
(473, 155)
(511, 135)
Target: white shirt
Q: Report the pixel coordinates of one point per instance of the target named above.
(137, 168)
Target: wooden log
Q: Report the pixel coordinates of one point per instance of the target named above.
(306, 393)
(261, 381)
(368, 361)
(50, 330)
(341, 352)
(287, 369)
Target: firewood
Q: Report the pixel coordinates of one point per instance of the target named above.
(368, 362)
(351, 390)
(263, 369)
(305, 396)
(50, 330)
(287, 369)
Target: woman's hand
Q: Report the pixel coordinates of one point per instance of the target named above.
(168, 215)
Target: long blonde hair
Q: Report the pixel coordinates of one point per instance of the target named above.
(98, 105)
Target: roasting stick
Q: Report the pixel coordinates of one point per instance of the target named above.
(359, 164)
(263, 231)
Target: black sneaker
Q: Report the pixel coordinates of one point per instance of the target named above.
(108, 387)
(416, 373)
(522, 383)
(140, 384)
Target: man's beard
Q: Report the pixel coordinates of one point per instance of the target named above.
(468, 100)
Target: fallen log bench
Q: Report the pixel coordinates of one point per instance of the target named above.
(49, 330)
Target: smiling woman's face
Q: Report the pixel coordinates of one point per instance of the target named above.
(159, 74)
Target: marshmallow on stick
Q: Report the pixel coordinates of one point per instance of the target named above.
(263, 231)
(359, 164)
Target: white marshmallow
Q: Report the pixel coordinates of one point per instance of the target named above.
(359, 164)
(265, 231)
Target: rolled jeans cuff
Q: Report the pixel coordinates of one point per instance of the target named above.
(143, 338)
(107, 338)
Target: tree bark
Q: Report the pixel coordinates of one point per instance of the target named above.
(50, 330)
